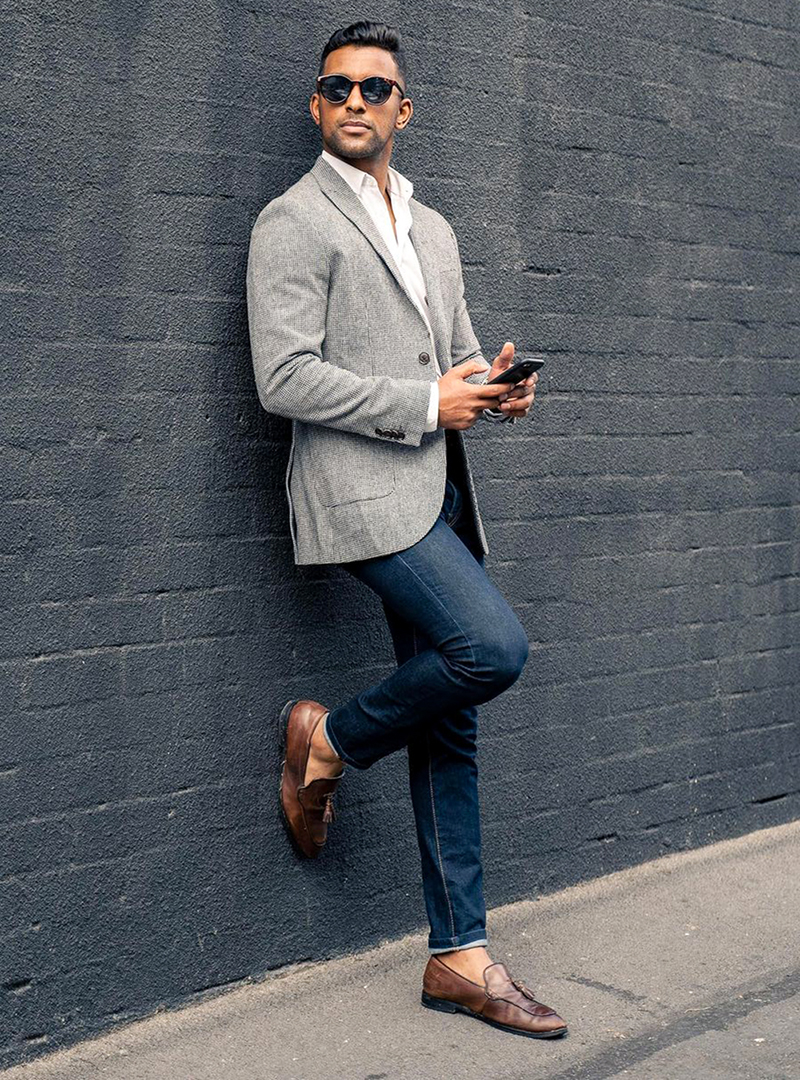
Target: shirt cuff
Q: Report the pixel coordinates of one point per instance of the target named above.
(433, 408)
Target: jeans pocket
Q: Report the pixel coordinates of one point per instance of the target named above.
(454, 503)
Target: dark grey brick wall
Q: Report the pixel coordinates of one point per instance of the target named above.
(621, 177)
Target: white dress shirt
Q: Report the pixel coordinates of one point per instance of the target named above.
(400, 189)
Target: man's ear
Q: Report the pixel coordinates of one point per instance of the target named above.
(402, 125)
(314, 105)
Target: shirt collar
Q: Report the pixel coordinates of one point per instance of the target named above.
(398, 184)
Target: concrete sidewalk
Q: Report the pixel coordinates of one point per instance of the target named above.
(685, 967)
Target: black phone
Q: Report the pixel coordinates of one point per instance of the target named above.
(519, 371)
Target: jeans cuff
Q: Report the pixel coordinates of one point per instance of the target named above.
(464, 941)
(334, 742)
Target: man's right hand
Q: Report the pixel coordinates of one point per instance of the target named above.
(460, 402)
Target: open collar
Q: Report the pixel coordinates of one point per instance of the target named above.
(397, 183)
(343, 195)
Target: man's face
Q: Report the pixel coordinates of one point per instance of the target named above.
(381, 121)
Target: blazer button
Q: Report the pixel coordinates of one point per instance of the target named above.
(424, 358)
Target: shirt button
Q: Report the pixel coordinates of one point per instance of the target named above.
(424, 358)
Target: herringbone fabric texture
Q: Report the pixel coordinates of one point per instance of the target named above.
(340, 348)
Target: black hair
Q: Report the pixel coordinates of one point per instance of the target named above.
(365, 32)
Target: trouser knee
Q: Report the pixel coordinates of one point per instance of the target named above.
(498, 656)
(510, 659)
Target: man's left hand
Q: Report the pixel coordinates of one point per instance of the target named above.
(519, 399)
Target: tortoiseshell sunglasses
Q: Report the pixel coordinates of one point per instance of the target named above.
(374, 90)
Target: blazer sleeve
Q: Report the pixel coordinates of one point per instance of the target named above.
(288, 276)
(465, 345)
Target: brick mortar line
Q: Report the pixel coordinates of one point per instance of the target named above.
(617, 557)
(77, 603)
(723, 16)
(680, 46)
(680, 631)
(184, 843)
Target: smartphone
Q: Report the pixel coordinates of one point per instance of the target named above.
(519, 371)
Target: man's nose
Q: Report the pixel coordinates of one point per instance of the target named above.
(354, 98)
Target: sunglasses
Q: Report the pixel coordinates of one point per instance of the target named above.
(374, 90)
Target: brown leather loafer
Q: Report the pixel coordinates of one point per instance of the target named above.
(503, 1002)
(306, 808)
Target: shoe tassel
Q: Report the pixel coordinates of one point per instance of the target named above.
(523, 989)
(329, 813)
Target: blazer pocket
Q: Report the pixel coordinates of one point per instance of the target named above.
(351, 468)
(448, 282)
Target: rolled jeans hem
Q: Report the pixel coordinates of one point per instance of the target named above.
(465, 941)
(335, 745)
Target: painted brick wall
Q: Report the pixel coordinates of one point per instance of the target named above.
(621, 177)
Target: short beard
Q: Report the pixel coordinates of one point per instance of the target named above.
(366, 148)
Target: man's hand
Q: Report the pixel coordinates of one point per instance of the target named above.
(460, 402)
(517, 400)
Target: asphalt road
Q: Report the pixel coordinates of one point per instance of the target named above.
(685, 967)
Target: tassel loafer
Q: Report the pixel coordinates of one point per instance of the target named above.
(307, 809)
(502, 1001)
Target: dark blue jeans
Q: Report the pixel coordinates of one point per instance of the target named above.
(457, 644)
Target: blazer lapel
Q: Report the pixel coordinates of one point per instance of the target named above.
(342, 196)
(429, 256)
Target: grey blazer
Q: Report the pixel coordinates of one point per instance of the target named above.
(339, 346)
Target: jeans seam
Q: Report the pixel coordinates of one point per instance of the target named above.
(441, 605)
(436, 834)
(433, 808)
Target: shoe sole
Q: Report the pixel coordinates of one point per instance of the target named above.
(283, 720)
(440, 1005)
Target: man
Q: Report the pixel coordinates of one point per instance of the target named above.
(360, 334)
